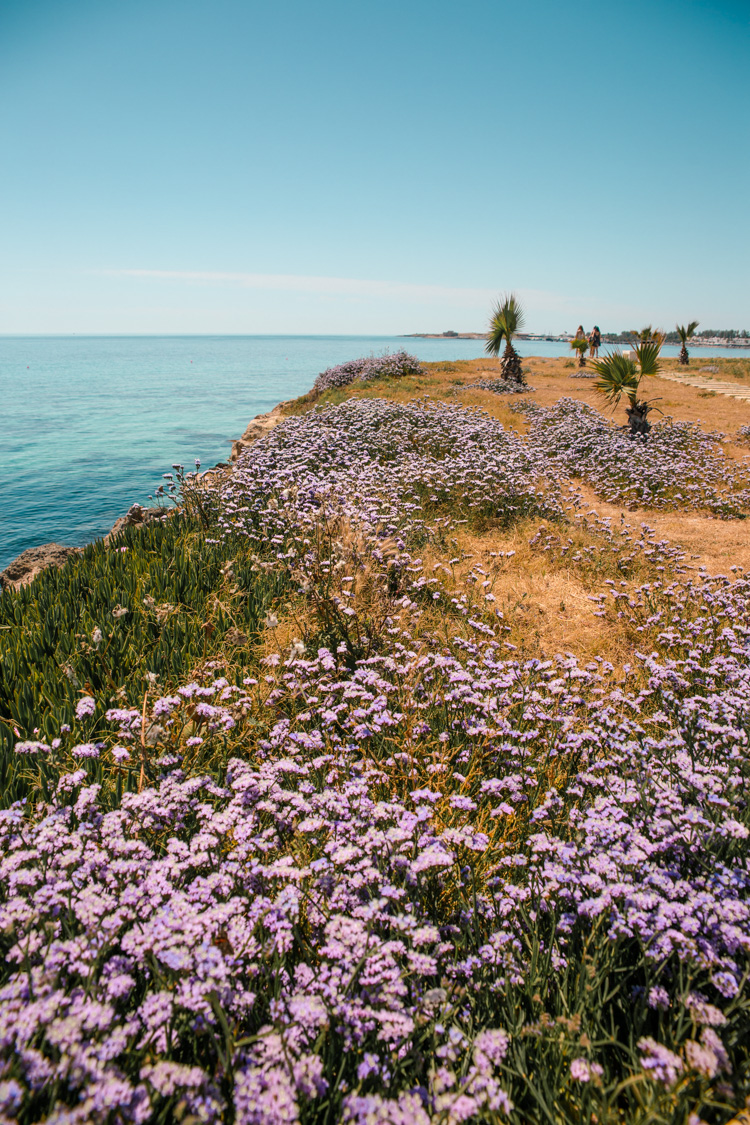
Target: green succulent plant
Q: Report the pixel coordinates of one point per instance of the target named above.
(157, 603)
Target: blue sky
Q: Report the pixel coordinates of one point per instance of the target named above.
(226, 166)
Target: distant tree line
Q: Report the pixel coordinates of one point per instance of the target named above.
(673, 338)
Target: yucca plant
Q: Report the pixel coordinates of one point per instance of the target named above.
(580, 345)
(507, 320)
(685, 332)
(619, 375)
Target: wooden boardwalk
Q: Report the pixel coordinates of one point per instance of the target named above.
(706, 383)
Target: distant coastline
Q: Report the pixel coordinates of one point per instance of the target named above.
(565, 337)
(475, 336)
(444, 335)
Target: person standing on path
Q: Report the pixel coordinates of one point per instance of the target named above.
(595, 340)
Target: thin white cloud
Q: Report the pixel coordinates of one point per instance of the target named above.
(538, 302)
(326, 286)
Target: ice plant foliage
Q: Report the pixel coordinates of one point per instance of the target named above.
(432, 881)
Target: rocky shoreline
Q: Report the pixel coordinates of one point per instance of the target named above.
(26, 566)
(259, 426)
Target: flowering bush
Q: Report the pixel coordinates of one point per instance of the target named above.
(501, 386)
(679, 466)
(208, 944)
(426, 879)
(368, 368)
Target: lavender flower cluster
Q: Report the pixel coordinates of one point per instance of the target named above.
(396, 470)
(364, 370)
(678, 465)
(430, 868)
(211, 944)
(499, 386)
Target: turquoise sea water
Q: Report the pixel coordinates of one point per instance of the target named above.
(91, 423)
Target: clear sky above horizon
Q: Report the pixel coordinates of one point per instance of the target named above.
(227, 166)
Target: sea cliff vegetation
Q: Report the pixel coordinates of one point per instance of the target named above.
(399, 775)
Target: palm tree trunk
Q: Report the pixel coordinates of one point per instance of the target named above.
(511, 364)
(684, 357)
(637, 414)
(581, 359)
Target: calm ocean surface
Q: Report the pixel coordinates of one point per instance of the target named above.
(91, 423)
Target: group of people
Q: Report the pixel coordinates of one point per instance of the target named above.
(594, 338)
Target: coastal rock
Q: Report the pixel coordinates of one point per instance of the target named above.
(25, 568)
(261, 425)
(136, 516)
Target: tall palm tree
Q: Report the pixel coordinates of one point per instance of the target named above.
(685, 332)
(507, 320)
(619, 375)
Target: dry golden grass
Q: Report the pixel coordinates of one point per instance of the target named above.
(715, 544)
(729, 369)
(545, 600)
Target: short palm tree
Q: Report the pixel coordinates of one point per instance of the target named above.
(580, 345)
(507, 320)
(619, 375)
(645, 335)
(685, 332)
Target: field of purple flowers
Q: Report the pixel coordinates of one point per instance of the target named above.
(381, 867)
(680, 466)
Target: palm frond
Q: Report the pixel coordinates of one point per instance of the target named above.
(618, 375)
(495, 338)
(682, 332)
(579, 344)
(691, 328)
(647, 354)
(507, 320)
